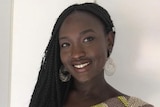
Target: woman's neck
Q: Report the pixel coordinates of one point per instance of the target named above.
(97, 87)
(93, 86)
(90, 92)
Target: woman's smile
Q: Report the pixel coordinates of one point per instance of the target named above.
(80, 66)
(83, 46)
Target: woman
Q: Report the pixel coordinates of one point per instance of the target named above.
(72, 70)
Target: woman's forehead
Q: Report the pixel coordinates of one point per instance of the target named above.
(81, 17)
(80, 21)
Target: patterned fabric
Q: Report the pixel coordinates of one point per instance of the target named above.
(135, 102)
(100, 105)
(122, 101)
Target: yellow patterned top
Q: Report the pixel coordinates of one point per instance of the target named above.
(100, 105)
(123, 102)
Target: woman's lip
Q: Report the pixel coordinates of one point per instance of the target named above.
(81, 67)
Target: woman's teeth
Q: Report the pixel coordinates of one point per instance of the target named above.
(81, 65)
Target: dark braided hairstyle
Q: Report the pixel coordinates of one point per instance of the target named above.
(50, 91)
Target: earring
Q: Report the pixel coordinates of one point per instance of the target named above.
(109, 68)
(64, 75)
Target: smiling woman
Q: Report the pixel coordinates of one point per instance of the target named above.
(72, 70)
(82, 56)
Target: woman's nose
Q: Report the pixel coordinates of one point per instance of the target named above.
(77, 52)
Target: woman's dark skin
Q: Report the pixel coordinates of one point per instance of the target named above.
(84, 46)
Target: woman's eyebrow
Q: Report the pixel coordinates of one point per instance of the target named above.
(81, 33)
(63, 37)
(87, 31)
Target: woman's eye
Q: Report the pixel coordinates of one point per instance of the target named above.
(88, 39)
(63, 45)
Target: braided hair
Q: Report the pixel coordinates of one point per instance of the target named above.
(50, 91)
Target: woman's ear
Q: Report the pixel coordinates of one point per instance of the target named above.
(110, 42)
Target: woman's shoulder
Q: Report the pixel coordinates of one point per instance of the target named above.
(124, 101)
(136, 102)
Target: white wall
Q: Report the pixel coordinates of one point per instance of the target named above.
(5, 37)
(136, 51)
(33, 21)
(137, 47)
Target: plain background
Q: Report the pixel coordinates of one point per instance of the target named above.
(5, 52)
(136, 51)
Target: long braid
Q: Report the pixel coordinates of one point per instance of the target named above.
(49, 90)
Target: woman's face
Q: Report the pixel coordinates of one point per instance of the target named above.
(83, 45)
